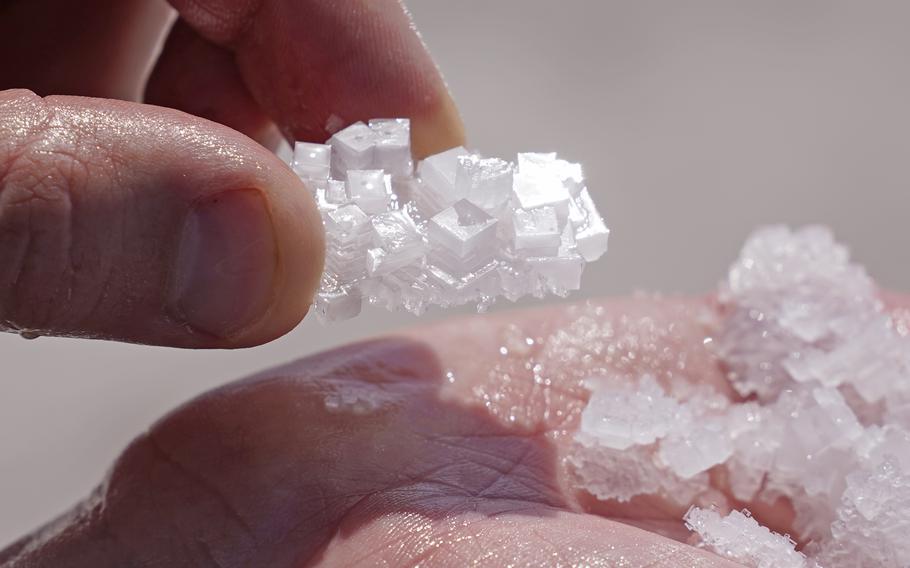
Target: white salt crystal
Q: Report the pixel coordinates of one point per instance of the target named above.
(800, 312)
(486, 182)
(352, 149)
(696, 449)
(620, 416)
(312, 161)
(620, 475)
(397, 243)
(338, 304)
(369, 189)
(541, 189)
(392, 150)
(592, 234)
(454, 233)
(739, 537)
(537, 229)
(802, 329)
(560, 274)
(873, 521)
(437, 174)
(537, 163)
(463, 228)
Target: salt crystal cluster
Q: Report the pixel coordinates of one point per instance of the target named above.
(461, 229)
(827, 372)
(800, 311)
(739, 537)
(871, 529)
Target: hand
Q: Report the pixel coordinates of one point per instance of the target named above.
(147, 224)
(428, 448)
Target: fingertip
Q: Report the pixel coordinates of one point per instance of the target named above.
(299, 253)
(438, 129)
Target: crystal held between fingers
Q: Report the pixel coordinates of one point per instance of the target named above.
(462, 229)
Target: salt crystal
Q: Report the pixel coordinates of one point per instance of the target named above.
(739, 537)
(486, 182)
(537, 229)
(437, 176)
(464, 230)
(352, 149)
(369, 189)
(802, 329)
(541, 187)
(338, 304)
(591, 234)
(873, 521)
(625, 415)
(392, 150)
(696, 449)
(312, 161)
(801, 312)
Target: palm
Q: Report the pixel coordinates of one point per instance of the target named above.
(442, 446)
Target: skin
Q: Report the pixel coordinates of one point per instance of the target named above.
(461, 458)
(267, 472)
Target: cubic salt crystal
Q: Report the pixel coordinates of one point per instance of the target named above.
(739, 537)
(623, 416)
(345, 221)
(452, 234)
(463, 228)
(353, 149)
(541, 189)
(397, 242)
(592, 237)
(537, 229)
(392, 151)
(437, 174)
(569, 174)
(334, 192)
(486, 182)
(561, 273)
(691, 452)
(312, 161)
(369, 189)
(340, 304)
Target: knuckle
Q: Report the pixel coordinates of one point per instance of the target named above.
(40, 173)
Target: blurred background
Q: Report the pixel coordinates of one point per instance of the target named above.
(696, 122)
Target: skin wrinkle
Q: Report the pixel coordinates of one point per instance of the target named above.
(204, 484)
(508, 472)
(557, 556)
(26, 305)
(69, 270)
(54, 142)
(22, 130)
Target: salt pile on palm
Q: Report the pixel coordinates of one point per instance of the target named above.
(824, 425)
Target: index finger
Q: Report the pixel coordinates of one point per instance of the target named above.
(316, 65)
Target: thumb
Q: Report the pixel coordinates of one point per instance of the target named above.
(143, 224)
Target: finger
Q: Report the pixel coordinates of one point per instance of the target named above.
(98, 48)
(137, 223)
(198, 77)
(314, 66)
(377, 453)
